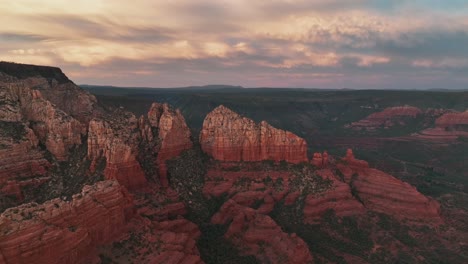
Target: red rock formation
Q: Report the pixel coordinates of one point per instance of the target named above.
(21, 163)
(173, 134)
(448, 127)
(64, 232)
(452, 119)
(151, 236)
(55, 87)
(257, 234)
(117, 141)
(338, 198)
(53, 127)
(172, 241)
(353, 162)
(384, 193)
(387, 118)
(320, 160)
(229, 137)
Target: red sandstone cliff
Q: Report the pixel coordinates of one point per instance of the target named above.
(28, 120)
(173, 135)
(54, 128)
(120, 138)
(21, 163)
(227, 136)
(55, 87)
(64, 232)
(117, 140)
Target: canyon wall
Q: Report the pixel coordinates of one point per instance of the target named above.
(227, 136)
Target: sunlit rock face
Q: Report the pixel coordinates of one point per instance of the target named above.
(227, 136)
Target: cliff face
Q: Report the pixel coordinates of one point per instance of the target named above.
(64, 232)
(55, 87)
(30, 125)
(116, 140)
(173, 135)
(227, 136)
(387, 118)
(21, 163)
(121, 139)
(57, 130)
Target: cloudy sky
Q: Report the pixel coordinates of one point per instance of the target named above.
(278, 43)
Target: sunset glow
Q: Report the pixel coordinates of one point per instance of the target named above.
(281, 43)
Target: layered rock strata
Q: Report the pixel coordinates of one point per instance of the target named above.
(387, 118)
(65, 231)
(257, 234)
(57, 130)
(449, 126)
(227, 136)
(117, 140)
(338, 197)
(381, 192)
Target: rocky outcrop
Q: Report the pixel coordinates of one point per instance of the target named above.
(128, 143)
(21, 162)
(30, 126)
(338, 198)
(170, 241)
(117, 140)
(258, 235)
(381, 192)
(57, 130)
(56, 88)
(351, 161)
(320, 160)
(65, 231)
(173, 135)
(227, 136)
(449, 126)
(387, 118)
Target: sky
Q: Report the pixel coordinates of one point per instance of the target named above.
(360, 44)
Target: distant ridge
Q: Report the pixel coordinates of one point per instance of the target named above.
(196, 87)
(224, 87)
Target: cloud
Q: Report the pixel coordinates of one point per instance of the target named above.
(276, 42)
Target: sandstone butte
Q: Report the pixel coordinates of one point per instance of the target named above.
(227, 136)
(65, 231)
(388, 117)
